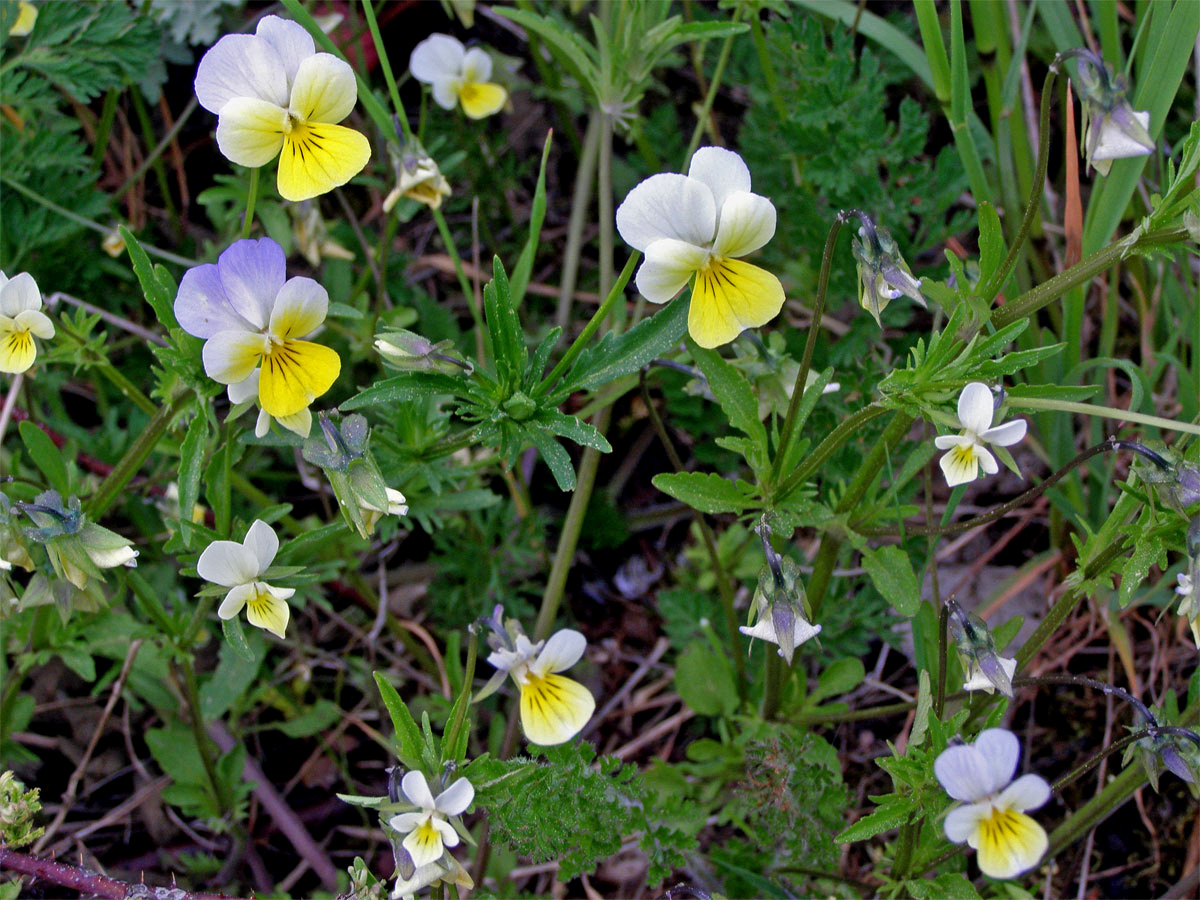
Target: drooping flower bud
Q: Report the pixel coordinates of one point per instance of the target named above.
(1111, 127)
(410, 352)
(417, 177)
(882, 274)
(342, 454)
(985, 669)
(777, 611)
(77, 549)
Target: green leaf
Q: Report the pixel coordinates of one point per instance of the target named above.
(839, 677)
(705, 491)
(317, 718)
(705, 682)
(1148, 550)
(235, 637)
(537, 214)
(571, 52)
(991, 243)
(892, 573)
(217, 485)
(733, 393)
(625, 354)
(191, 465)
(45, 456)
(408, 386)
(408, 735)
(504, 328)
(947, 886)
(236, 671)
(558, 460)
(157, 294)
(573, 428)
(304, 546)
(893, 811)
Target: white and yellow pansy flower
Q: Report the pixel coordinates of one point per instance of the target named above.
(967, 451)
(21, 320)
(697, 226)
(272, 91)
(992, 819)
(249, 316)
(553, 708)
(239, 567)
(427, 833)
(457, 75)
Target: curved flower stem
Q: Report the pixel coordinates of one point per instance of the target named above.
(204, 743)
(381, 50)
(464, 284)
(1000, 276)
(251, 198)
(1084, 681)
(1004, 508)
(789, 422)
(826, 449)
(724, 586)
(460, 715)
(1095, 760)
(122, 473)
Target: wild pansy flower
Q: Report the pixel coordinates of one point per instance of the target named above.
(273, 91)
(1111, 127)
(239, 567)
(967, 451)
(249, 315)
(427, 831)
(778, 604)
(985, 669)
(21, 320)
(883, 275)
(697, 226)
(993, 819)
(457, 75)
(553, 708)
(418, 178)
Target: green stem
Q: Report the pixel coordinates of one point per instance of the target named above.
(203, 742)
(1000, 276)
(724, 587)
(1107, 412)
(104, 126)
(464, 283)
(1081, 273)
(577, 220)
(768, 68)
(774, 676)
(88, 223)
(826, 449)
(604, 204)
(462, 702)
(617, 293)
(381, 51)
(123, 472)
(251, 198)
(810, 343)
(905, 841)
(711, 95)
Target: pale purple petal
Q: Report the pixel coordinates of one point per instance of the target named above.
(963, 772)
(289, 40)
(240, 65)
(252, 272)
(201, 305)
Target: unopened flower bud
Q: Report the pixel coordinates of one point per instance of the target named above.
(985, 669)
(418, 178)
(882, 274)
(1111, 127)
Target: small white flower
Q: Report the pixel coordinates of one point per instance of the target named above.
(427, 831)
(239, 567)
(698, 225)
(457, 75)
(21, 320)
(553, 708)
(967, 452)
(993, 819)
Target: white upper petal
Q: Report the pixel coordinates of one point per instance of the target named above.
(456, 798)
(1027, 792)
(1000, 750)
(241, 65)
(324, 90)
(975, 407)
(416, 789)
(562, 650)
(963, 821)
(18, 294)
(227, 563)
(963, 772)
(668, 206)
(290, 40)
(252, 272)
(476, 66)
(262, 543)
(438, 56)
(745, 222)
(668, 266)
(722, 171)
(1007, 434)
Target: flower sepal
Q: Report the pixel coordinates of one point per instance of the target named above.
(883, 275)
(342, 454)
